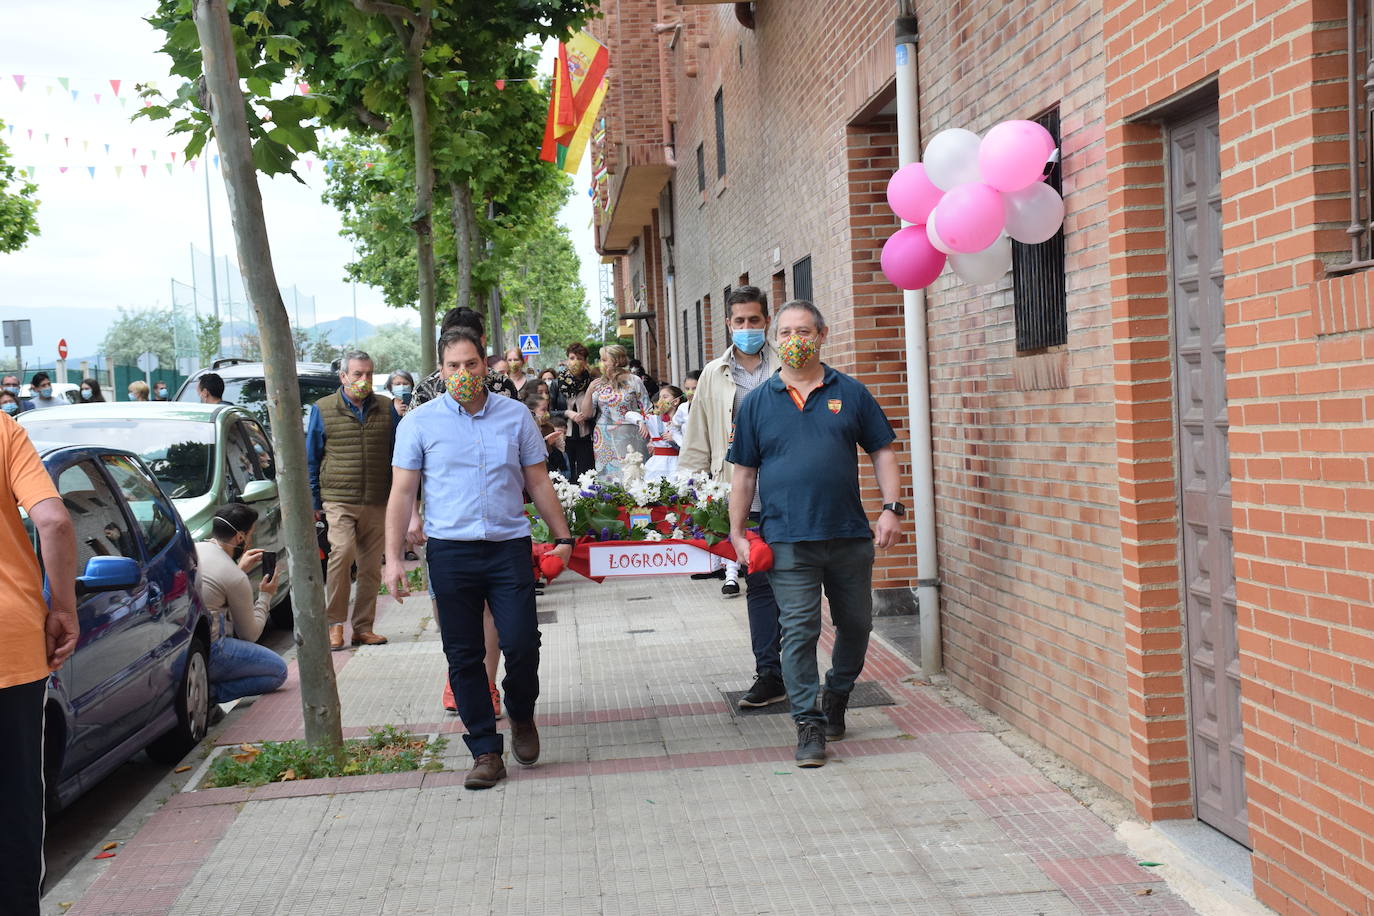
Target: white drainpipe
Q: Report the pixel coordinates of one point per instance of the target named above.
(918, 369)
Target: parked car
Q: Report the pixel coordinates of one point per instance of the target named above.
(139, 677)
(245, 385)
(202, 455)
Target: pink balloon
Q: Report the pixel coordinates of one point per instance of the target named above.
(933, 234)
(911, 193)
(971, 217)
(1013, 154)
(909, 260)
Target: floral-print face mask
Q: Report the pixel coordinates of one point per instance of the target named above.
(464, 386)
(796, 352)
(361, 388)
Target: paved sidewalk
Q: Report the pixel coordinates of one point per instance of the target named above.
(652, 797)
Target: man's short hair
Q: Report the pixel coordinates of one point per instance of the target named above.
(802, 305)
(457, 335)
(346, 361)
(211, 384)
(745, 294)
(693, 376)
(39, 378)
(462, 317)
(7, 376)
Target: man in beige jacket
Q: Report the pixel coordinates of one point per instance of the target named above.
(750, 361)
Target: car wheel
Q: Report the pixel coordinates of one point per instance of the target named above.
(193, 708)
(282, 615)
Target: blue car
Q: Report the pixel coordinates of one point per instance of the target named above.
(139, 677)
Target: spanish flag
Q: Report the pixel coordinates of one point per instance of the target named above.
(579, 87)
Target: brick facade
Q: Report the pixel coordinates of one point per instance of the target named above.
(1057, 490)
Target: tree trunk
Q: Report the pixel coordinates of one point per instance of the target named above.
(319, 692)
(463, 224)
(417, 98)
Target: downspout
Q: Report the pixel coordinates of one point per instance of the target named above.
(918, 368)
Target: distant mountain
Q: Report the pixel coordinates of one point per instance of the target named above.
(340, 332)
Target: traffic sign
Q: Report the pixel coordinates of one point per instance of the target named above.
(529, 344)
(148, 362)
(18, 333)
(62, 348)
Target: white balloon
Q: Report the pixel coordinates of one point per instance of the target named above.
(984, 266)
(933, 234)
(951, 158)
(1034, 213)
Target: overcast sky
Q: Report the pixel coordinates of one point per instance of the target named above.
(110, 240)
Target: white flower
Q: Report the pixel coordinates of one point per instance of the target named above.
(653, 535)
(671, 518)
(678, 535)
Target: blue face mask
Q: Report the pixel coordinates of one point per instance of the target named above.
(10, 407)
(749, 341)
(401, 390)
(85, 394)
(45, 393)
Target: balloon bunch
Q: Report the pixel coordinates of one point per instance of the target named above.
(967, 200)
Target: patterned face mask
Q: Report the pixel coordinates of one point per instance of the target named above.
(361, 388)
(464, 386)
(796, 351)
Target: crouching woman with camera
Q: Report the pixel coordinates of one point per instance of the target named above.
(239, 667)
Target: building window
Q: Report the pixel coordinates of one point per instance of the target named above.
(720, 133)
(779, 288)
(701, 167)
(801, 279)
(703, 307)
(684, 337)
(1037, 271)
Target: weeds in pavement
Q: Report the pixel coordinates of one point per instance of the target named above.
(385, 750)
(415, 581)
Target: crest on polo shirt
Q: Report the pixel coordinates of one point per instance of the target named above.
(835, 404)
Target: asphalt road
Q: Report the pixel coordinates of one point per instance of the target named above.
(74, 831)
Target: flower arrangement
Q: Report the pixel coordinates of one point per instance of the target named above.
(686, 507)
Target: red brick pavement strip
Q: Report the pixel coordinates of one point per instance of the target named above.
(276, 716)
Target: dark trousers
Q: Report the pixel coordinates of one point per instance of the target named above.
(765, 632)
(21, 796)
(466, 575)
(581, 455)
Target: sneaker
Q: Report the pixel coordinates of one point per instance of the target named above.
(495, 699)
(730, 589)
(810, 745)
(767, 689)
(833, 706)
(487, 770)
(450, 704)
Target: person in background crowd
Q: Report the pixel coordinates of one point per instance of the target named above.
(501, 366)
(9, 402)
(43, 397)
(11, 383)
(539, 409)
(796, 442)
(558, 447)
(348, 442)
(138, 391)
(724, 383)
(650, 383)
(210, 387)
(37, 634)
(90, 392)
(612, 400)
(678, 423)
(524, 382)
(542, 389)
(159, 391)
(479, 543)
(401, 384)
(239, 667)
(550, 377)
(571, 382)
(663, 442)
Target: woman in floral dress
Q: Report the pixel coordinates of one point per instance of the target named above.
(619, 401)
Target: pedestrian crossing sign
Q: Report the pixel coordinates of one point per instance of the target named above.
(529, 344)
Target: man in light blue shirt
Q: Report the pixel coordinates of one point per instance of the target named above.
(478, 456)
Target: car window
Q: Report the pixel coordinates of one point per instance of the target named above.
(240, 462)
(180, 453)
(145, 501)
(101, 527)
(251, 394)
(262, 449)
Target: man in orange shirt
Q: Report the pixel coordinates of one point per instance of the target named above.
(36, 637)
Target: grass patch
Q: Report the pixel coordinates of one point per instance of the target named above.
(384, 750)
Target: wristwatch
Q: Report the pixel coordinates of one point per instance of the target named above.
(559, 542)
(897, 509)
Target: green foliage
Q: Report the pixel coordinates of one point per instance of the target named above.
(385, 750)
(18, 206)
(392, 347)
(542, 288)
(208, 330)
(139, 331)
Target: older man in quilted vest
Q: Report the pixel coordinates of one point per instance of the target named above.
(348, 443)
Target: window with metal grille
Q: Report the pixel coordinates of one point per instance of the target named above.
(1037, 271)
(703, 306)
(701, 167)
(720, 133)
(801, 279)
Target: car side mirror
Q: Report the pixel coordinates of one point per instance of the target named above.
(258, 490)
(108, 574)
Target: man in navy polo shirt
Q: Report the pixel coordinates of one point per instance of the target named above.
(796, 440)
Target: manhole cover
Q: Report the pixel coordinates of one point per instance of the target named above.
(865, 693)
(546, 617)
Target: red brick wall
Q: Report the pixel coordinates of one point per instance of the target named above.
(1300, 362)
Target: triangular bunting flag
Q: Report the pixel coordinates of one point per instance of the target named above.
(45, 137)
(193, 163)
(310, 165)
(47, 90)
(65, 81)
(62, 169)
(500, 84)
(119, 170)
(85, 146)
(173, 154)
(114, 84)
(215, 160)
(97, 98)
(169, 167)
(75, 93)
(67, 142)
(153, 153)
(107, 149)
(19, 81)
(30, 133)
(144, 169)
(133, 153)
(463, 85)
(31, 170)
(91, 169)
(123, 102)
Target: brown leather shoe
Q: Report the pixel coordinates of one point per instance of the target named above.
(524, 742)
(336, 637)
(487, 770)
(368, 639)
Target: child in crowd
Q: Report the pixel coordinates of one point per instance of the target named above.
(664, 442)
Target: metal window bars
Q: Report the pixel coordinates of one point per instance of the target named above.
(1360, 133)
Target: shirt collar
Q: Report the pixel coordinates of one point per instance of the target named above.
(779, 385)
(768, 364)
(463, 411)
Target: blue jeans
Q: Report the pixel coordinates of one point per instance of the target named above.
(466, 575)
(844, 569)
(239, 668)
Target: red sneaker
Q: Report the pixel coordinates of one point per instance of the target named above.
(495, 699)
(450, 704)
